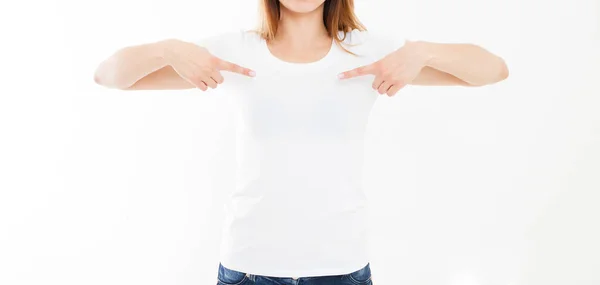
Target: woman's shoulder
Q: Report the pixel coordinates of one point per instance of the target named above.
(357, 37)
(229, 38)
(230, 41)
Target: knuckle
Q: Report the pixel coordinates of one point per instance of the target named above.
(380, 66)
(213, 62)
(196, 79)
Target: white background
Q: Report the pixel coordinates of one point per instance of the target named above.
(486, 186)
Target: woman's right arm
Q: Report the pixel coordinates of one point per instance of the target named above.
(166, 64)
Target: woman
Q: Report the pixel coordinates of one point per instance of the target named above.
(303, 85)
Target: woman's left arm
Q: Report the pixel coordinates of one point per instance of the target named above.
(470, 63)
(427, 63)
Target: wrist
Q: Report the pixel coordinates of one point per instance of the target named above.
(423, 50)
(166, 48)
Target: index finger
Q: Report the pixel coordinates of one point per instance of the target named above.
(359, 71)
(232, 67)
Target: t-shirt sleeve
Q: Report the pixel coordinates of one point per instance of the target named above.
(222, 45)
(383, 45)
(374, 44)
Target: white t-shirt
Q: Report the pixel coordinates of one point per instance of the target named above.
(298, 208)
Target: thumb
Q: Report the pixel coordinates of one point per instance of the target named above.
(359, 71)
(232, 67)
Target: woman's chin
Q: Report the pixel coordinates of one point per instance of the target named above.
(302, 6)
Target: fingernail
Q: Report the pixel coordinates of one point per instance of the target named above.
(341, 75)
(252, 73)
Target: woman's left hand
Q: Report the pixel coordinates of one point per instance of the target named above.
(394, 71)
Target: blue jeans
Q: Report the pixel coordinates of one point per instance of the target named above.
(228, 276)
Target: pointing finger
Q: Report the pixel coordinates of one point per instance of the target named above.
(232, 67)
(359, 71)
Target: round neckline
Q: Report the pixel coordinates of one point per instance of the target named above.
(278, 60)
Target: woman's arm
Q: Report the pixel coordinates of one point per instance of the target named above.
(425, 63)
(168, 64)
(467, 62)
(140, 67)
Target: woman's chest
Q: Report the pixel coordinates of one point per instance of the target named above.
(315, 102)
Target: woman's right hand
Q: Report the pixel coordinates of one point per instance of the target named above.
(198, 66)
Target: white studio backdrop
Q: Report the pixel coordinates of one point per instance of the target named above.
(495, 185)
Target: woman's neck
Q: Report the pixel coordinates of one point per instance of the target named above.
(302, 29)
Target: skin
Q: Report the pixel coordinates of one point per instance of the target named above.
(426, 63)
(165, 65)
(302, 6)
(205, 72)
(301, 37)
(416, 62)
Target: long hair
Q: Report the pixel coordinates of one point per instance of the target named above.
(338, 16)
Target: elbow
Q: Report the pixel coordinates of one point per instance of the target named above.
(503, 72)
(107, 75)
(102, 74)
(99, 78)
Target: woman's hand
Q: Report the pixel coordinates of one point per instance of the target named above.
(198, 66)
(394, 71)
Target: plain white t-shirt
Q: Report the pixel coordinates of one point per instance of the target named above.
(298, 208)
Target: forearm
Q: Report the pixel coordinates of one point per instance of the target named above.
(128, 65)
(470, 63)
